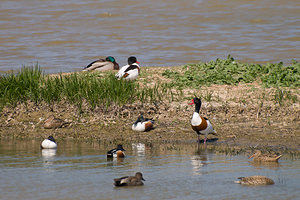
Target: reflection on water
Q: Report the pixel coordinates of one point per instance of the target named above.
(80, 170)
(67, 35)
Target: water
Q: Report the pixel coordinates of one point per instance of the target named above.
(79, 170)
(65, 36)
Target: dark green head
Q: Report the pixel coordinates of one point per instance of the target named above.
(110, 59)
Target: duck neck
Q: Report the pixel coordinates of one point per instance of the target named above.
(197, 108)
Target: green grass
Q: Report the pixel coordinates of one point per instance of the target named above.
(30, 83)
(228, 71)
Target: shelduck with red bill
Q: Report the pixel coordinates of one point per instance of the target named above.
(201, 125)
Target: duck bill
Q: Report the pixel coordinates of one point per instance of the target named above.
(137, 62)
(143, 179)
(192, 102)
(251, 156)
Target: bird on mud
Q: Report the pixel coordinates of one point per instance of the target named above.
(136, 180)
(49, 143)
(201, 125)
(53, 122)
(142, 124)
(129, 71)
(118, 152)
(109, 63)
(255, 180)
(259, 157)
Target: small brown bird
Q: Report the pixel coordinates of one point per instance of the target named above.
(255, 180)
(52, 122)
(130, 180)
(257, 156)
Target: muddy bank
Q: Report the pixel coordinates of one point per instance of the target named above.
(244, 116)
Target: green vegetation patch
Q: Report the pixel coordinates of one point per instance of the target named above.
(230, 72)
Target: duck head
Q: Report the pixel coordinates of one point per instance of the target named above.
(120, 147)
(132, 60)
(51, 138)
(139, 175)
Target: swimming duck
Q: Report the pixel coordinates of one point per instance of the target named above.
(257, 156)
(53, 122)
(255, 180)
(117, 152)
(130, 180)
(142, 124)
(129, 71)
(102, 65)
(200, 124)
(49, 143)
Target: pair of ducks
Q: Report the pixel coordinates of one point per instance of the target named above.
(127, 72)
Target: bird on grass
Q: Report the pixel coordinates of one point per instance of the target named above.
(109, 63)
(255, 180)
(142, 124)
(118, 152)
(201, 125)
(136, 180)
(129, 71)
(53, 122)
(49, 143)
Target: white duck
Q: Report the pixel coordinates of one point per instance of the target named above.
(142, 124)
(129, 71)
(49, 143)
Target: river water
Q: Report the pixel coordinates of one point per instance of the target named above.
(64, 36)
(80, 170)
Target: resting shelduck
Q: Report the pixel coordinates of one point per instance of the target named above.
(200, 124)
(129, 71)
(142, 124)
(49, 143)
(117, 152)
(102, 65)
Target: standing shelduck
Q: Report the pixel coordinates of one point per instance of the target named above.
(129, 71)
(49, 143)
(102, 65)
(200, 124)
(116, 152)
(142, 124)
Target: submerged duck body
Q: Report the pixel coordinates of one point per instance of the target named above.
(201, 125)
(118, 152)
(257, 156)
(255, 180)
(49, 143)
(142, 124)
(109, 63)
(136, 180)
(130, 71)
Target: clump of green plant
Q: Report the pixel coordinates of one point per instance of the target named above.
(228, 71)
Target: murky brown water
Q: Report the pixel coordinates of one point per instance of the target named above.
(67, 35)
(79, 170)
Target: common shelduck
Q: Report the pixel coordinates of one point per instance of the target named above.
(255, 180)
(129, 71)
(109, 63)
(49, 143)
(257, 156)
(53, 122)
(142, 124)
(117, 152)
(200, 124)
(136, 180)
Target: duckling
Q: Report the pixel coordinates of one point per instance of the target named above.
(255, 180)
(257, 156)
(201, 125)
(142, 124)
(129, 71)
(49, 143)
(130, 180)
(116, 152)
(102, 65)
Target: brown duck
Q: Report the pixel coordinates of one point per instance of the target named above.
(130, 180)
(53, 122)
(255, 180)
(257, 156)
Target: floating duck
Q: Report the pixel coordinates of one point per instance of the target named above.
(130, 71)
(49, 143)
(200, 124)
(255, 180)
(142, 124)
(102, 65)
(130, 180)
(257, 156)
(117, 152)
(53, 122)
